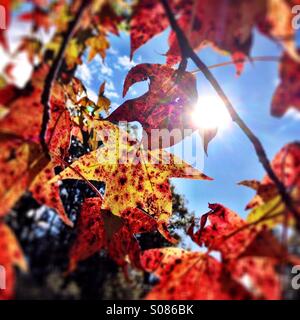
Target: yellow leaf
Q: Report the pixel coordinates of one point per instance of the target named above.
(273, 210)
(98, 45)
(134, 178)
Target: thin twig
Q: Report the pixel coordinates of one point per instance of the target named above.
(53, 73)
(250, 60)
(188, 52)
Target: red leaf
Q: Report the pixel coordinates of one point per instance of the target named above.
(149, 19)
(11, 255)
(39, 17)
(99, 229)
(233, 237)
(260, 276)
(286, 165)
(286, 95)
(189, 276)
(167, 105)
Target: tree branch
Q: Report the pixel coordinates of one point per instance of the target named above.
(188, 52)
(250, 60)
(53, 73)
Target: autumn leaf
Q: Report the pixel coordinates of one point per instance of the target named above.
(18, 162)
(98, 229)
(131, 181)
(103, 103)
(23, 164)
(267, 202)
(263, 279)
(149, 19)
(233, 237)
(233, 34)
(19, 121)
(39, 17)
(24, 118)
(97, 45)
(188, 275)
(167, 105)
(48, 193)
(107, 20)
(32, 47)
(8, 93)
(73, 53)
(278, 26)
(286, 95)
(11, 255)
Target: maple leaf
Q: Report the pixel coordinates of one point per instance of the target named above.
(25, 109)
(97, 45)
(11, 255)
(58, 136)
(246, 250)
(148, 20)
(32, 47)
(286, 95)
(232, 236)
(22, 162)
(267, 201)
(73, 53)
(103, 103)
(167, 105)
(17, 165)
(107, 20)
(8, 93)
(48, 194)
(132, 181)
(263, 280)
(39, 17)
(277, 24)
(98, 229)
(232, 34)
(24, 118)
(188, 275)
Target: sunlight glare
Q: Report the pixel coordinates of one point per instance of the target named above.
(210, 113)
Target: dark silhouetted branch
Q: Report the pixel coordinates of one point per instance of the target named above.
(188, 52)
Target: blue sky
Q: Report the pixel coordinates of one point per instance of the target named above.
(231, 156)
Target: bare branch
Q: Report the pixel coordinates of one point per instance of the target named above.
(250, 60)
(188, 52)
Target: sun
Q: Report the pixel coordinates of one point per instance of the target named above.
(210, 113)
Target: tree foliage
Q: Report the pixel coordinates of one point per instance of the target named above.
(41, 122)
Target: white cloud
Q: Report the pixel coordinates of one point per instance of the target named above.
(92, 95)
(105, 70)
(125, 63)
(84, 73)
(110, 86)
(132, 91)
(113, 51)
(294, 114)
(112, 94)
